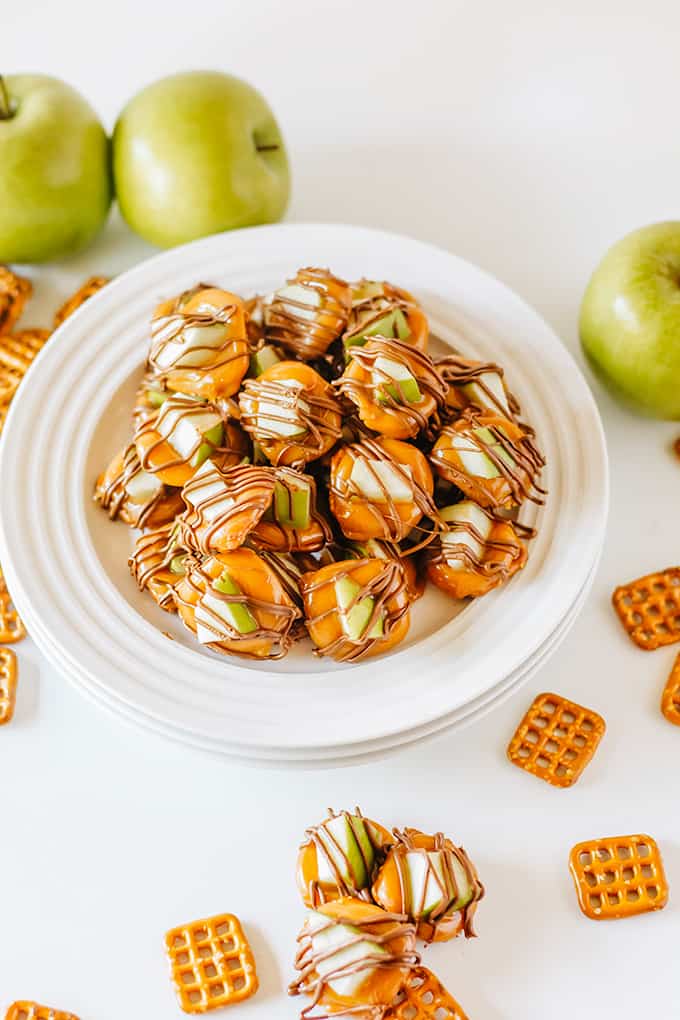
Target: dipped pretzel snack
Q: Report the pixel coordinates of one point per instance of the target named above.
(309, 434)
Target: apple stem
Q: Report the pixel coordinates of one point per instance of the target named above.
(267, 148)
(5, 108)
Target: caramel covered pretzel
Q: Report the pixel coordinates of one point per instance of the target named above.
(8, 684)
(14, 293)
(32, 1011)
(649, 608)
(556, 739)
(670, 699)
(211, 963)
(618, 877)
(11, 625)
(90, 287)
(309, 313)
(424, 997)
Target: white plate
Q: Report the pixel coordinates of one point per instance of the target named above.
(65, 562)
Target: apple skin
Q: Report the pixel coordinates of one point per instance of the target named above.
(630, 320)
(55, 175)
(186, 160)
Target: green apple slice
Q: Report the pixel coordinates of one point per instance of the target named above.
(364, 474)
(355, 616)
(143, 487)
(407, 389)
(332, 953)
(194, 347)
(177, 564)
(293, 503)
(236, 615)
(212, 494)
(426, 880)
(465, 887)
(212, 439)
(346, 842)
(187, 424)
(367, 290)
(392, 325)
(263, 359)
(302, 302)
(473, 460)
(280, 419)
(486, 436)
(458, 516)
(477, 394)
(156, 397)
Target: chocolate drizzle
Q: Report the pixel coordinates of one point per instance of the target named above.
(308, 328)
(150, 564)
(222, 519)
(271, 535)
(346, 884)
(112, 495)
(446, 882)
(368, 310)
(485, 563)
(199, 581)
(520, 477)
(385, 512)
(379, 388)
(180, 407)
(396, 928)
(385, 588)
(458, 372)
(167, 330)
(313, 413)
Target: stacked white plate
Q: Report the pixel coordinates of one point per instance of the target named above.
(65, 562)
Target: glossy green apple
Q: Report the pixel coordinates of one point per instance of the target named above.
(55, 180)
(630, 320)
(197, 153)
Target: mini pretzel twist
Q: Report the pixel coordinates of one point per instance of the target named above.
(424, 998)
(32, 1011)
(211, 963)
(556, 739)
(670, 699)
(649, 608)
(618, 877)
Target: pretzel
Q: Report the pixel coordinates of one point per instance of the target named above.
(17, 352)
(69, 306)
(556, 739)
(32, 1011)
(4, 408)
(618, 877)
(649, 608)
(424, 997)
(11, 625)
(8, 684)
(670, 699)
(211, 963)
(14, 293)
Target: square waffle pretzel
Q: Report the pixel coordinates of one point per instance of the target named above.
(69, 306)
(618, 877)
(424, 998)
(556, 739)
(11, 625)
(32, 1011)
(8, 684)
(211, 963)
(670, 699)
(17, 352)
(14, 293)
(649, 608)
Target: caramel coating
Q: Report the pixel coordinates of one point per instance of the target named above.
(455, 570)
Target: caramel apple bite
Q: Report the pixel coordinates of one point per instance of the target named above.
(201, 348)
(157, 563)
(381, 309)
(224, 505)
(395, 388)
(356, 608)
(339, 858)
(291, 412)
(479, 384)
(477, 553)
(292, 522)
(182, 435)
(308, 314)
(353, 958)
(492, 460)
(126, 491)
(235, 604)
(380, 488)
(433, 882)
(373, 547)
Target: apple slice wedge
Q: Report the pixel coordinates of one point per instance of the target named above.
(337, 948)
(461, 517)
(373, 477)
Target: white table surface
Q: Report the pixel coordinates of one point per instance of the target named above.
(526, 141)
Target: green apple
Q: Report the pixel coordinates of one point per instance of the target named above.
(192, 429)
(630, 320)
(407, 387)
(349, 847)
(355, 616)
(461, 517)
(197, 153)
(368, 475)
(55, 180)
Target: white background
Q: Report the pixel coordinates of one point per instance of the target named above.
(525, 140)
